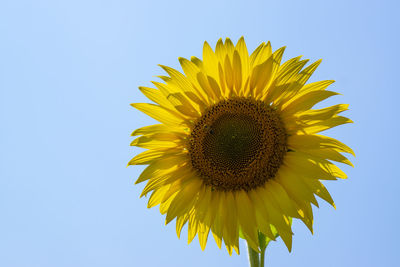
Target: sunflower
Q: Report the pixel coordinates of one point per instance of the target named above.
(237, 151)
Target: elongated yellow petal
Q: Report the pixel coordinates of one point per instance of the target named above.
(157, 141)
(180, 222)
(314, 127)
(307, 101)
(317, 142)
(159, 181)
(220, 210)
(149, 156)
(178, 78)
(157, 196)
(261, 76)
(202, 80)
(237, 72)
(295, 186)
(183, 201)
(203, 235)
(319, 189)
(215, 87)
(185, 176)
(210, 61)
(263, 221)
(156, 96)
(247, 218)
(159, 128)
(179, 101)
(327, 153)
(244, 58)
(165, 204)
(193, 227)
(231, 229)
(281, 223)
(303, 165)
(191, 71)
(161, 166)
(281, 199)
(229, 78)
(316, 86)
(261, 54)
(160, 114)
(220, 50)
(230, 48)
(324, 113)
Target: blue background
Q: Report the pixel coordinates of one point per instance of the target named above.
(70, 69)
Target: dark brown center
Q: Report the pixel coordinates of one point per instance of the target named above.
(237, 144)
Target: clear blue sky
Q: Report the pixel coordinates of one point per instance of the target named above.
(70, 69)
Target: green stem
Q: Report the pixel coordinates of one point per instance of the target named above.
(254, 257)
(263, 246)
(262, 258)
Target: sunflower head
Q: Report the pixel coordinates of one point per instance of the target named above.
(237, 149)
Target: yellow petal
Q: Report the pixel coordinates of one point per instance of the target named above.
(247, 218)
(217, 226)
(244, 58)
(162, 166)
(159, 181)
(319, 189)
(307, 72)
(191, 71)
(220, 50)
(307, 101)
(157, 141)
(229, 78)
(320, 126)
(149, 156)
(178, 78)
(193, 227)
(287, 83)
(157, 196)
(324, 113)
(295, 187)
(230, 48)
(231, 229)
(185, 175)
(210, 61)
(305, 166)
(203, 232)
(260, 54)
(202, 80)
(184, 200)
(165, 204)
(237, 72)
(263, 221)
(159, 128)
(198, 63)
(179, 101)
(156, 96)
(316, 142)
(316, 86)
(281, 222)
(327, 153)
(222, 82)
(180, 222)
(159, 113)
(215, 87)
(281, 199)
(261, 76)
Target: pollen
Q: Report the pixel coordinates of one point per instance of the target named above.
(237, 144)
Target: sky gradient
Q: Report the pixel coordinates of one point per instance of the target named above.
(70, 69)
